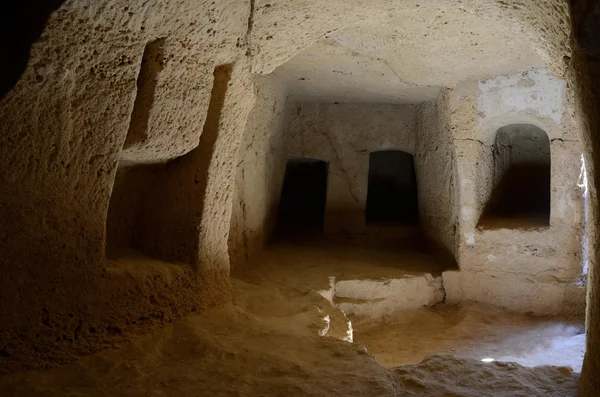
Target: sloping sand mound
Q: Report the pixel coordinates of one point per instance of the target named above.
(230, 351)
(451, 376)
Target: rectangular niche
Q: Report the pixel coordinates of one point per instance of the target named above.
(132, 184)
(135, 174)
(303, 197)
(392, 191)
(150, 69)
(156, 203)
(521, 194)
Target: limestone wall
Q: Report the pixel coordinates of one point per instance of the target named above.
(584, 79)
(435, 164)
(344, 135)
(501, 266)
(62, 128)
(112, 81)
(260, 170)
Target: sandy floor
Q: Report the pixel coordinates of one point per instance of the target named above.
(268, 343)
(308, 265)
(274, 351)
(472, 330)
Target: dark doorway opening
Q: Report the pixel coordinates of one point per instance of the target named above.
(521, 194)
(392, 196)
(302, 205)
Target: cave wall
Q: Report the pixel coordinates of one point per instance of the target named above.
(436, 173)
(502, 266)
(64, 123)
(584, 80)
(62, 129)
(344, 135)
(260, 170)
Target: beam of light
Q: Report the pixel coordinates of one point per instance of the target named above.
(487, 360)
(349, 333)
(583, 184)
(327, 321)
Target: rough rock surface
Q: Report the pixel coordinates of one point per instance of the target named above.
(115, 84)
(269, 345)
(584, 79)
(345, 135)
(453, 142)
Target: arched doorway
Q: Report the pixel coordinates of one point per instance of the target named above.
(302, 204)
(521, 192)
(392, 193)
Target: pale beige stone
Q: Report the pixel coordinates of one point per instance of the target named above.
(178, 155)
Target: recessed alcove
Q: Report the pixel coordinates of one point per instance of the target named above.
(364, 128)
(392, 196)
(123, 224)
(145, 213)
(302, 204)
(521, 176)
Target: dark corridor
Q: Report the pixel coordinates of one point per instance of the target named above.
(392, 195)
(302, 205)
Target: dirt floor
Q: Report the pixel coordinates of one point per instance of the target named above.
(307, 264)
(472, 330)
(230, 352)
(269, 343)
